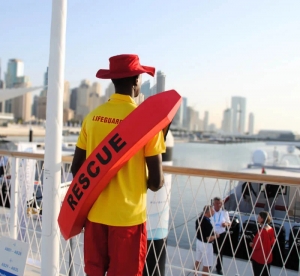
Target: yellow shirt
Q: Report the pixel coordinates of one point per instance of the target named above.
(123, 201)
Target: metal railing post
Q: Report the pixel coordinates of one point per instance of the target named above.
(71, 261)
(14, 191)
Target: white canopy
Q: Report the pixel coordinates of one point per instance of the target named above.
(9, 93)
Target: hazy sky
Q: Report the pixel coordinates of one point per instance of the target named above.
(209, 50)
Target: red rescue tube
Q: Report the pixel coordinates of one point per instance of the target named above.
(125, 140)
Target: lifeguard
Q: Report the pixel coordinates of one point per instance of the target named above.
(115, 231)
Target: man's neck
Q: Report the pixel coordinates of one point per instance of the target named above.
(125, 91)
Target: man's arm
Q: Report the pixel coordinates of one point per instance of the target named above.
(227, 222)
(78, 160)
(155, 178)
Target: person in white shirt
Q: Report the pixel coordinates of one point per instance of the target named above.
(220, 221)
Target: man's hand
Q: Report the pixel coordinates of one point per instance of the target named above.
(225, 224)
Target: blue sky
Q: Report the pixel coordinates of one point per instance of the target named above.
(209, 50)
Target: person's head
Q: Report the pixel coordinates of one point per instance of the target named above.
(217, 203)
(125, 71)
(208, 211)
(128, 84)
(263, 218)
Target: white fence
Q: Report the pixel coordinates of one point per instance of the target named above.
(190, 189)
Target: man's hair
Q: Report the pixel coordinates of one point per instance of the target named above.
(206, 209)
(265, 216)
(123, 81)
(217, 199)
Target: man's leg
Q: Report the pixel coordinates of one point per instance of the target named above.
(208, 257)
(95, 249)
(199, 249)
(220, 246)
(127, 249)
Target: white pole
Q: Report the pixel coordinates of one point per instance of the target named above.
(14, 190)
(53, 141)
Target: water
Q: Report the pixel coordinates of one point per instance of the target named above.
(224, 157)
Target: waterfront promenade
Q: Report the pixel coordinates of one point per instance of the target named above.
(38, 131)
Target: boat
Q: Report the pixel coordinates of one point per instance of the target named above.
(286, 209)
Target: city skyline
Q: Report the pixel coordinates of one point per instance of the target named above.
(209, 50)
(81, 100)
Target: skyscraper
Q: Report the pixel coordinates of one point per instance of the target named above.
(160, 82)
(227, 121)
(238, 106)
(205, 121)
(15, 69)
(83, 95)
(251, 124)
(1, 86)
(109, 91)
(153, 89)
(1, 81)
(19, 106)
(145, 89)
(44, 91)
(184, 112)
(66, 98)
(178, 118)
(73, 98)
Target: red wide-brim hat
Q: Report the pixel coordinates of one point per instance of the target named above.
(123, 66)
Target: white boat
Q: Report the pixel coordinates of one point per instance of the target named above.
(286, 209)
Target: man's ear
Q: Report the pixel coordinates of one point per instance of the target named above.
(136, 80)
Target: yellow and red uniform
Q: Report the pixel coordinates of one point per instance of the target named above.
(123, 201)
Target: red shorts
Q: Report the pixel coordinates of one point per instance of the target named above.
(116, 250)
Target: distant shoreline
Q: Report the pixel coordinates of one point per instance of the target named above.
(17, 130)
(37, 131)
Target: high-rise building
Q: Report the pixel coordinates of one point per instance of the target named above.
(178, 118)
(35, 106)
(227, 121)
(184, 112)
(41, 109)
(83, 95)
(153, 89)
(238, 106)
(205, 121)
(145, 89)
(45, 82)
(73, 98)
(251, 124)
(109, 91)
(19, 106)
(66, 97)
(212, 128)
(1, 86)
(139, 99)
(95, 96)
(160, 82)
(15, 70)
(1, 81)
(194, 122)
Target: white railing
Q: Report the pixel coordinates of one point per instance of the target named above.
(190, 190)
